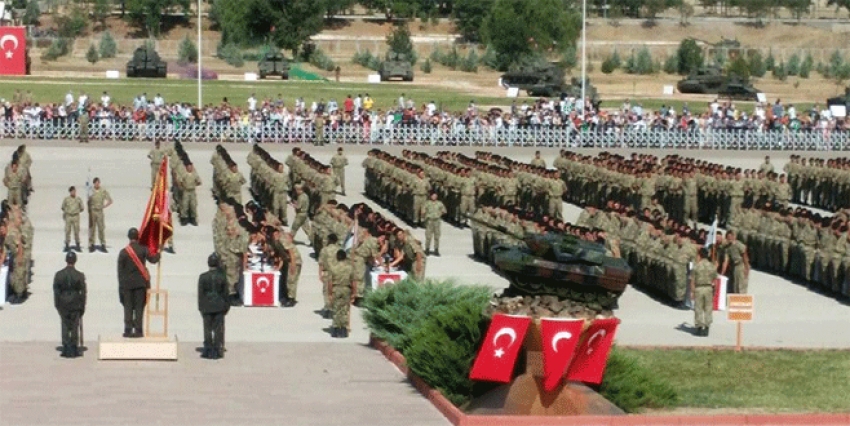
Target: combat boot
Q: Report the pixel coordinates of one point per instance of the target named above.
(437, 253)
(66, 351)
(67, 248)
(206, 353)
(218, 353)
(334, 332)
(343, 333)
(102, 248)
(76, 352)
(91, 249)
(77, 248)
(705, 332)
(128, 332)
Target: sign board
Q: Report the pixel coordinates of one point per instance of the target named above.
(838, 111)
(374, 78)
(113, 74)
(250, 76)
(668, 90)
(740, 307)
(513, 92)
(761, 97)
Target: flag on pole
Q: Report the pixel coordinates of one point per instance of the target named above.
(156, 226)
(712, 234)
(89, 188)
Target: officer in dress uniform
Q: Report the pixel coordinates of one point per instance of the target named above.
(213, 304)
(69, 297)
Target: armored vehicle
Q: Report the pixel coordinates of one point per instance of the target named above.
(273, 63)
(840, 99)
(712, 80)
(564, 266)
(396, 66)
(548, 80)
(146, 63)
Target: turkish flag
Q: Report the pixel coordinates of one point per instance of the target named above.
(384, 279)
(592, 354)
(560, 338)
(156, 225)
(13, 51)
(498, 353)
(262, 289)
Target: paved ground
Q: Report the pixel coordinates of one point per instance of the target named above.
(295, 380)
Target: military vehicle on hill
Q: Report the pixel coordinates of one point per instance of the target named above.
(840, 99)
(397, 65)
(713, 80)
(563, 266)
(146, 63)
(273, 64)
(548, 80)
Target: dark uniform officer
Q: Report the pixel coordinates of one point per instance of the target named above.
(69, 297)
(134, 282)
(213, 304)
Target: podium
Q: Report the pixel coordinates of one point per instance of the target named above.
(155, 346)
(261, 288)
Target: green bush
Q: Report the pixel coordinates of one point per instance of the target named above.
(367, 60)
(770, 62)
(739, 67)
(690, 56)
(836, 62)
(671, 65)
(793, 65)
(91, 55)
(72, 24)
(756, 65)
(490, 59)
(640, 63)
(806, 66)
(426, 66)
(780, 72)
(32, 13)
(232, 54)
(319, 60)
(631, 386)
(108, 48)
(452, 59)
(187, 52)
(569, 59)
(610, 64)
(470, 63)
(59, 47)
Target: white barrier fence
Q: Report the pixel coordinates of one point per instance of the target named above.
(456, 135)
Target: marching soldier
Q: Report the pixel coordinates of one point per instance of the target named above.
(338, 163)
(432, 214)
(98, 202)
(280, 188)
(538, 161)
(69, 298)
(72, 207)
(213, 305)
(302, 206)
(702, 292)
(189, 181)
(420, 188)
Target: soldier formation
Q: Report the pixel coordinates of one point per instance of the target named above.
(820, 183)
(16, 230)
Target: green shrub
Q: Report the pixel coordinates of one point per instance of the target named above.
(640, 63)
(770, 62)
(793, 65)
(59, 47)
(319, 60)
(32, 13)
(490, 59)
(671, 65)
(806, 66)
(836, 62)
(470, 63)
(780, 72)
(426, 66)
(443, 349)
(108, 48)
(452, 59)
(569, 59)
(72, 24)
(690, 56)
(231, 54)
(609, 65)
(367, 60)
(187, 52)
(757, 65)
(631, 386)
(739, 67)
(91, 55)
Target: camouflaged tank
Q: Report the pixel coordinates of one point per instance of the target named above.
(537, 80)
(146, 63)
(397, 65)
(273, 64)
(563, 266)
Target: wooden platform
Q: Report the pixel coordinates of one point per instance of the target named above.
(140, 349)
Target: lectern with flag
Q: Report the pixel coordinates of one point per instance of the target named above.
(155, 230)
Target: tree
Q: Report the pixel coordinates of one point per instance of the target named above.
(91, 55)
(757, 68)
(690, 56)
(335, 7)
(839, 4)
(32, 13)
(148, 14)
(739, 67)
(798, 8)
(187, 52)
(686, 10)
(399, 42)
(286, 25)
(793, 65)
(653, 7)
(101, 11)
(756, 9)
(468, 15)
(108, 47)
(518, 28)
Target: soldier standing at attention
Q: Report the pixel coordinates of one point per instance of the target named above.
(189, 181)
(325, 259)
(432, 214)
(319, 123)
(71, 209)
(213, 304)
(14, 180)
(338, 163)
(738, 258)
(69, 297)
(301, 205)
(538, 161)
(702, 291)
(420, 189)
(293, 271)
(766, 168)
(280, 188)
(343, 294)
(134, 280)
(156, 155)
(233, 183)
(98, 201)
(84, 124)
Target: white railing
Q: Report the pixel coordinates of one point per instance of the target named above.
(531, 136)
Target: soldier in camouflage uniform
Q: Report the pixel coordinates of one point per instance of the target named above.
(340, 271)
(72, 207)
(432, 214)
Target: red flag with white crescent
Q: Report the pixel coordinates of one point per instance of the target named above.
(498, 354)
(560, 338)
(13, 51)
(156, 226)
(592, 354)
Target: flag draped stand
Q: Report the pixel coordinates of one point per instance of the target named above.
(155, 230)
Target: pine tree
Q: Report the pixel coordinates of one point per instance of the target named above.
(91, 55)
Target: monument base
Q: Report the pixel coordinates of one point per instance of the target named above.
(525, 396)
(138, 349)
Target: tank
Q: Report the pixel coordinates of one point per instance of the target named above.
(396, 66)
(146, 63)
(712, 80)
(840, 99)
(563, 266)
(273, 63)
(537, 80)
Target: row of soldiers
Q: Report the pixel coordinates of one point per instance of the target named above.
(396, 183)
(315, 179)
(454, 184)
(227, 180)
(16, 230)
(800, 244)
(820, 183)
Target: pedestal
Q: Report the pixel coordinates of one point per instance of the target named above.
(140, 349)
(526, 396)
(261, 288)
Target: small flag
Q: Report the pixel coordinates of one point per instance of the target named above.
(498, 354)
(560, 338)
(592, 354)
